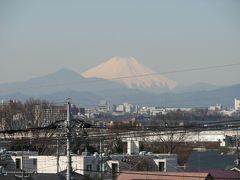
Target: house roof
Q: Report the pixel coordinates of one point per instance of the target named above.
(138, 175)
(138, 162)
(211, 159)
(224, 174)
(235, 168)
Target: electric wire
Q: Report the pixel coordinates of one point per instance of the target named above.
(127, 77)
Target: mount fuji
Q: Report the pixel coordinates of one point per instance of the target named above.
(131, 73)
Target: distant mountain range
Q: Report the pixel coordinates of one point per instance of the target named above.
(89, 91)
(62, 80)
(196, 87)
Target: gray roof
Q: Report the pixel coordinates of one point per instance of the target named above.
(210, 159)
(140, 162)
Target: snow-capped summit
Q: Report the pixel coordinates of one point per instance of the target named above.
(129, 72)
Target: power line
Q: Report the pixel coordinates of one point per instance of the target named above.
(178, 71)
(141, 132)
(135, 134)
(205, 125)
(132, 76)
(170, 101)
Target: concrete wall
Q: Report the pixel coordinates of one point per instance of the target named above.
(132, 147)
(204, 136)
(48, 164)
(170, 161)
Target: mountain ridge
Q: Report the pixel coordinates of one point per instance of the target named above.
(224, 96)
(57, 81)
(89, 91)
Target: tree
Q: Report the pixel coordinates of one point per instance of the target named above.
(11, 116)
(115, 146)
(171, 139)
(33, 113)
(171, 136)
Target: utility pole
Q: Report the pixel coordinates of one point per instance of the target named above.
(22, 162)
(199, 154)
(68, 123)
(237, 150)
(100, 156)
(57, 155)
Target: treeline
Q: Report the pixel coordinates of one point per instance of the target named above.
(175, 118)
(32, 113)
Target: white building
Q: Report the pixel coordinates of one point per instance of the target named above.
(228, 112)
(120, 108)
(89, 166)
(128, 107)
(31, 162)
(153, 111)
(104, 106)
(125, 108)
(237, 104)
(132, 147)
(150, 161)
(217, 107)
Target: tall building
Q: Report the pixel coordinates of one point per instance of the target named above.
(54, 113)
(237, 104)
(104, 106)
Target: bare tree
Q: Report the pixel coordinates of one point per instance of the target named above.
(171, 133)
(11, 116)
(33, 113)
(171, 139)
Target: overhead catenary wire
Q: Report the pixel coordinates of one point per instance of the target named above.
(96, 171)
(119, 172)
(174, 129)
(178, 71)
(206, 125)
(127, 134)
(55, 125)
(235, 126)
(151, 130)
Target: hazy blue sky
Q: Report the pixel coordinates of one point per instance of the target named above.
(39, 37)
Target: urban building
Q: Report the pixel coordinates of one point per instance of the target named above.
(142, 162)
(202, 160)
(31, 162)
(217, 107)
(237, 104)
(104, 106)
